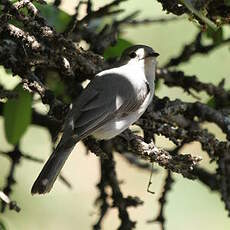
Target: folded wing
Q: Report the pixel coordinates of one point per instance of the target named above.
(104, 98)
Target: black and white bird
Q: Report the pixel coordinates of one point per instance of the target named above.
(110, 103)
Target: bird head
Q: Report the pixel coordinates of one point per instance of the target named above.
(138, 54)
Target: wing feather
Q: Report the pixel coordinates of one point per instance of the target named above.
(104, 98)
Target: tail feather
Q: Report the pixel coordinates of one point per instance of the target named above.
(51, 169)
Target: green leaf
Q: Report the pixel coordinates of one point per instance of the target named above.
(116, 51)
(216, 36)
(17, 115)
(55, 16)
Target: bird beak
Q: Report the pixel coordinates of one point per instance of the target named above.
(152, 54)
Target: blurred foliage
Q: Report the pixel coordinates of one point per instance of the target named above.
(216, 36)
(2, 226)
(227, 2)
(116, 50)
(211, 102)
(17, 115)
(54, 83)
(213, 13)
(201, 14)
(17, 119)
(55, 16)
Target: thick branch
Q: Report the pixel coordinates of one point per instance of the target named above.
(187, 83)
(182, 164)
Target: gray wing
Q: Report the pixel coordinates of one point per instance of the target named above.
(104, 98)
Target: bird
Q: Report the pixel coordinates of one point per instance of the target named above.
(113, 100)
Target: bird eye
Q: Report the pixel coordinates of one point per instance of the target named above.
(132, 55)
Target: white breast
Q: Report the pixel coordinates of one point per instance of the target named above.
(117, 126)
